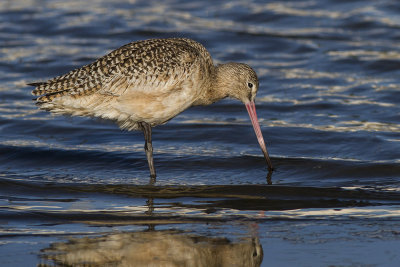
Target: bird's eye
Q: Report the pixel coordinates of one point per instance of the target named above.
(250, 85)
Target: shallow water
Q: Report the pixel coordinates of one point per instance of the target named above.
(75, 190)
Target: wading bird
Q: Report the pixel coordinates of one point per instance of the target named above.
(146, 83)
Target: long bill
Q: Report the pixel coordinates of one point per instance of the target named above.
(251, 109)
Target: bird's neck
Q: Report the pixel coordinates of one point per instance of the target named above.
(216, 89)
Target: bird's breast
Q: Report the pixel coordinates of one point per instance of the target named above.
(155, 107)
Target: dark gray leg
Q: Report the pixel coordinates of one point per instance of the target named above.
(148, 147)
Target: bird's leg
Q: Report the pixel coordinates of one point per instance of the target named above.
(148, 147)
(269, 177)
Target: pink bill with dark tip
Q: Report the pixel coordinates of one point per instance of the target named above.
(251, 109)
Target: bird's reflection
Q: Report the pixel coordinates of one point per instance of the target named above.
(150, 209)
(152, 180)
(155, 248)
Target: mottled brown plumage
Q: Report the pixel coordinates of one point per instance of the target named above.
(146, 83)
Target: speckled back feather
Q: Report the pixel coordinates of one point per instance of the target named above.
(151, 60)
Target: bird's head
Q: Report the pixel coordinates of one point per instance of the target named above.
(241, 83)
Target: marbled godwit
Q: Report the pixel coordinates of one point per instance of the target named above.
(146, 83)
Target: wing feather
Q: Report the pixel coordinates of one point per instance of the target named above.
(155, 64)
